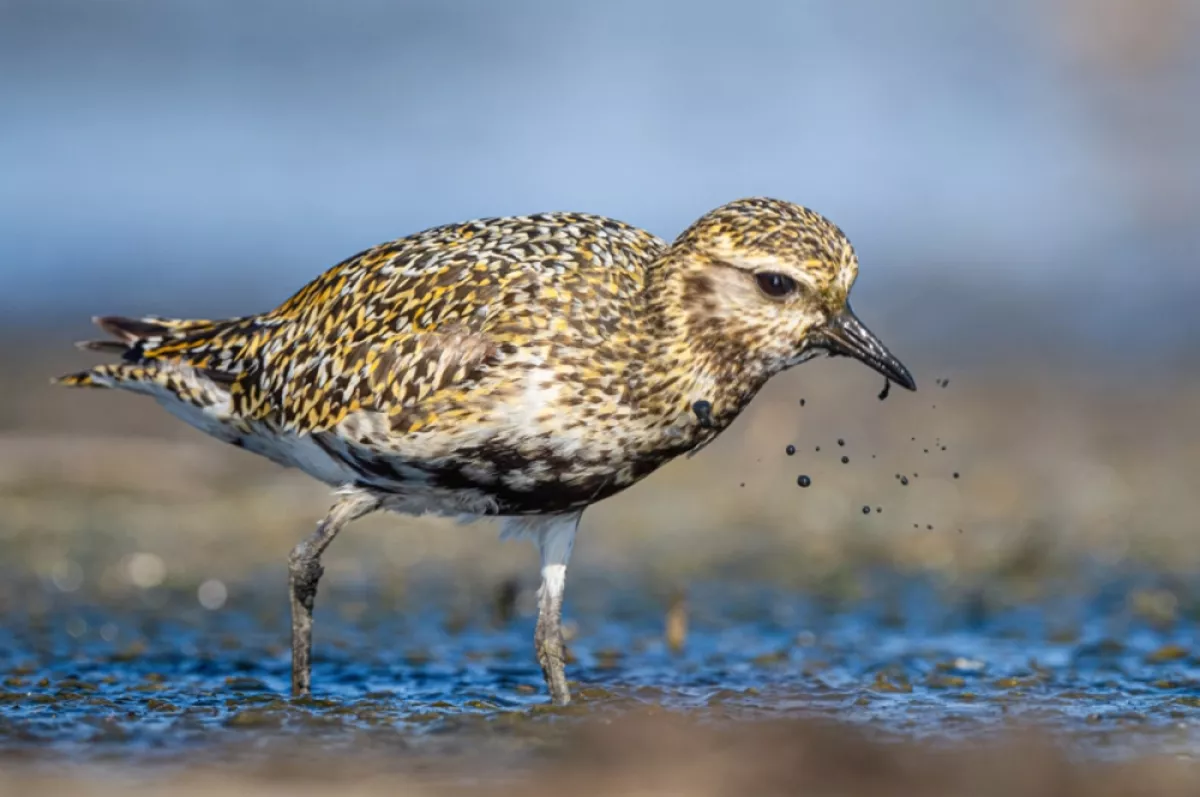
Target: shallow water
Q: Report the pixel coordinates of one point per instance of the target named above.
(155, 677)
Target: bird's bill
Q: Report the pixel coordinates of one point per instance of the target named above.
(844, 335)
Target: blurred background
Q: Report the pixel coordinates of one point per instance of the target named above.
(1021, 181)
(209, 157)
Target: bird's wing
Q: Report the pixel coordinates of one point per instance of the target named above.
(369, 335)
(391, 326)
(394, 325)
(383, 373)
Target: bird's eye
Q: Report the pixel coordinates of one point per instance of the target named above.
(775, 284)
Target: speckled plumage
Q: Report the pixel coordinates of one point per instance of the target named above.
(521, 366)
(530, 362)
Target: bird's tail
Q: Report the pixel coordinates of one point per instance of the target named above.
(146, 344)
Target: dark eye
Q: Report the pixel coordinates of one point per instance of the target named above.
(775, 284)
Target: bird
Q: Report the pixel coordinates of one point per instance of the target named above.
(518, 367)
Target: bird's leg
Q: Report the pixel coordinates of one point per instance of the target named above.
(549, 642)
(555, 539)
(304, 571)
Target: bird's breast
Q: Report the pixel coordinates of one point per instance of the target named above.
(552, 431)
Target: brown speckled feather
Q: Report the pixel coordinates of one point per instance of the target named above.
(513, 365)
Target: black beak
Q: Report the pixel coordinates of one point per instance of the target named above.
(844, 335)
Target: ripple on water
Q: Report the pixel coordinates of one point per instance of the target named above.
(910, 660)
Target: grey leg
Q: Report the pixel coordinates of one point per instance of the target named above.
(555, 539)
(548, 641)
(304, 571)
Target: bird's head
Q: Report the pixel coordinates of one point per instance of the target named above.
(765, 282)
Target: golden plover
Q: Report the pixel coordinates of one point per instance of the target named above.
(523, 367)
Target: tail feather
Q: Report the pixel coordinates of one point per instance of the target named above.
(188, 341)
(110, 375)
(107, 346)
(78, 379)
(132, 330)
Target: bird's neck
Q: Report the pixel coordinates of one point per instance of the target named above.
(690, 357)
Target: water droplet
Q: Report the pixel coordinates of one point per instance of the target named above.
(790, 450)
(801, 402)
(904, 481)
(956, 474)
(841, 442)
(803, 481)
(866, 510)
(845, 460)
